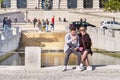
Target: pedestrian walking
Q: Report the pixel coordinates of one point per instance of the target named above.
(47, 25)
(9, 23)
(39, 25)
(34, 22)
(52, 22)
(5, 24)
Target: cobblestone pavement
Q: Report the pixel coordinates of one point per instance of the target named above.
(55, 73)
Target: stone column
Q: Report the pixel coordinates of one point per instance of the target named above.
(79, 4)
(37, 4)
(55, 4)
(58, 4)
(96, 4)
(32, 58)
(13, 4)
(63, 4)
(31, 4)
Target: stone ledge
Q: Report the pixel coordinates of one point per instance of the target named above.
(98, 68)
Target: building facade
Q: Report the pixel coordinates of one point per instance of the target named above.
(55, 4)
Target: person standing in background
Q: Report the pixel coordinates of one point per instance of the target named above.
(5, 24)
(4, 21)
(43, 25)
(47, 25)
(9, 22)
(39, 25)
(114, 19)
(15, 20)
(53, 22)
(34, 22)
(59, 19)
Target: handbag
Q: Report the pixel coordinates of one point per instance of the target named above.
(81, 49)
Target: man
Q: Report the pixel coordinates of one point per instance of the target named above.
(71, 46)
(5, 24)
(34, 22)
(9, 23)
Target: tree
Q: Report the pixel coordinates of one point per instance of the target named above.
(1, 1)
(112, 5)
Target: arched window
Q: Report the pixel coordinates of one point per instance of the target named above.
(72, 4)
(21, 3)
(6, 4)
(88, 3)
(101, 3)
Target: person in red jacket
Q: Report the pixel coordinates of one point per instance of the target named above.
(53, 22)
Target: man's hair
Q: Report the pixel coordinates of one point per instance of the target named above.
(72, 29)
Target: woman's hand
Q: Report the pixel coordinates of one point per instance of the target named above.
(75, 49)
(74, 38)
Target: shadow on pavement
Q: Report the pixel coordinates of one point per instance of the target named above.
(95, 66)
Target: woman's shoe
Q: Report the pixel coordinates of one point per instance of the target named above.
(81, 66)
(89, 68)
(78, 68)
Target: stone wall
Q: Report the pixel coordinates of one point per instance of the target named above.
(15, 14)
(105, 39)
(9, 40)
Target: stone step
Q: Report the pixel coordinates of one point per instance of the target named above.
(44, 49)
(45, 44)
(52, 48)
(53, 44)
(42, 39)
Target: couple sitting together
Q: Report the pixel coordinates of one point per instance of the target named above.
(80, 45)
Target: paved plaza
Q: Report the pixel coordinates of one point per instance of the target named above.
(105, 72)
(54, 73)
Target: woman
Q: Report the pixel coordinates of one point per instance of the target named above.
(43, 25)
(39, 25)
(71, 46)
(85, 47)
(47, 25)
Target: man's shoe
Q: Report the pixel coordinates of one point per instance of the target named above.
(64, 68)
(89, 68)
(78, 68)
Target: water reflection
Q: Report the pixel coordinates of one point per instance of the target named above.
(54, 59)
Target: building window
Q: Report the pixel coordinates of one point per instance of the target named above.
(71, 4)
(101, 3)
(88, 3)
(21, 3)
(6, 4)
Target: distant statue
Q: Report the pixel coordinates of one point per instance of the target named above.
(47, 4)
